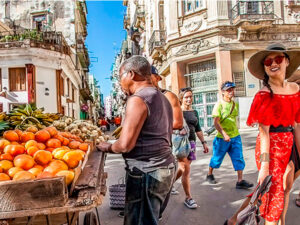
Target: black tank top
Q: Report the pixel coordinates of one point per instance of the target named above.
(153, 146)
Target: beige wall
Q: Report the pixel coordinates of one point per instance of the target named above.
(252, 83)
(224, 70)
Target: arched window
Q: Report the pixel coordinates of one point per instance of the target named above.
(190, 6)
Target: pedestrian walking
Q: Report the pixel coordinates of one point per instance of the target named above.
(276, 109)
(184, 164)
(228, 139)
(145, 143)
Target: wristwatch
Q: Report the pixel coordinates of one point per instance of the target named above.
(203, 142)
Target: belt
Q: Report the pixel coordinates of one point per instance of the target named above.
(281, 129)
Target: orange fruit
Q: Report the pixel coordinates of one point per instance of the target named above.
(38, 167)
(30, 143)
(31, 150)
(11, 135)
(3, 143)
(42, 136)
(26, 136)
(24, 161)
(35, 171)
(5, 165)
(32, 129)
(6, 156)
(52, 131)
(60, 153)
(45, 174)
(4, 177)
(14, 149)
(53, 143)
(74, 144)
(72, 158)
(66, 142)
(84, 146)
(69, 175)
(12, 171)
(59, 137)
(42, 157)
(41, 146)
(23, 175)
(56, 166)
(19, 132)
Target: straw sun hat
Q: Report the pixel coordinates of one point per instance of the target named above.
(256, 66)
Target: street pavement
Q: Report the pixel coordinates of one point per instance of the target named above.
(215, 202)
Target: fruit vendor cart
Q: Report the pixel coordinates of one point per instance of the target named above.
(49, 201)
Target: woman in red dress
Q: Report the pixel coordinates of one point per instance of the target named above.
(276, 110)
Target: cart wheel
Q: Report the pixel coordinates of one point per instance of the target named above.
(90, 219)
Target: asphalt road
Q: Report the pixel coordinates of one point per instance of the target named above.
(215, 202)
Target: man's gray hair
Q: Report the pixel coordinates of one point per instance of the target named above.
(138, 64)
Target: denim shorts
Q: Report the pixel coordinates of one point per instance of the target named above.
(234, 148)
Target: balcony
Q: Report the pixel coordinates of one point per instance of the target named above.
(83, 56)
(49, 40)
(252, 11)
(139, 16)
(157, 40)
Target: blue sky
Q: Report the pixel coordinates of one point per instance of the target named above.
(105, 35)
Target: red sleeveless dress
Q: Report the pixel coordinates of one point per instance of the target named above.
(277, 110)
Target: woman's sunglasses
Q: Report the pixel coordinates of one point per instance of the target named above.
(278, 59)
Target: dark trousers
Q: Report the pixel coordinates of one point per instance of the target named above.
(145, 195)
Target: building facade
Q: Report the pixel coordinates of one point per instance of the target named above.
(43, 58)
(202, 43)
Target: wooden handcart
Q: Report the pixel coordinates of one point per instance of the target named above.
(30, 202)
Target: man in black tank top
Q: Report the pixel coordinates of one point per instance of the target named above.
(145, 143)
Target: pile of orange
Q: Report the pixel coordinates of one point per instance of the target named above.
(32, 154)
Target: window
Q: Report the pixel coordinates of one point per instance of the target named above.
(239, 80)
(39, 22)
(17, 79)
(190, 6)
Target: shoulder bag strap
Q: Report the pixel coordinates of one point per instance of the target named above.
(232, 108)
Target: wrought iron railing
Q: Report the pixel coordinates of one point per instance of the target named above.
(157, 40)
(239, 80)
(245, 9)
(204, 81)
(48, 40)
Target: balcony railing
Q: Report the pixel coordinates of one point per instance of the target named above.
(252, 10)
(49, 40)
(203, 81)
(157, 40)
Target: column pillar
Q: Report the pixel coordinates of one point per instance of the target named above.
(224, 70)
(30, 70)
(177, 71)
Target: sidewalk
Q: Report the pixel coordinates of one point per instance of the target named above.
(216, 202)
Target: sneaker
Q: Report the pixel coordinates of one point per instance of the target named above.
(243, 184)
(190, 203)
(174, 191)
(211, 179)
(121, 214)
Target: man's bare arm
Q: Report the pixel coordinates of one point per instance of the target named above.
(177, 112)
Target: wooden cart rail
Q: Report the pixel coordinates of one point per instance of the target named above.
(88, 194)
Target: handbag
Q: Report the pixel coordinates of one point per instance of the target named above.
(181, 147)
(212, 129)
(251, 215)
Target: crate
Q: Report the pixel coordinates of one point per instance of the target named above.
(33, 194)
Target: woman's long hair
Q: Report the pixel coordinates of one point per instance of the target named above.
(266, 83)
